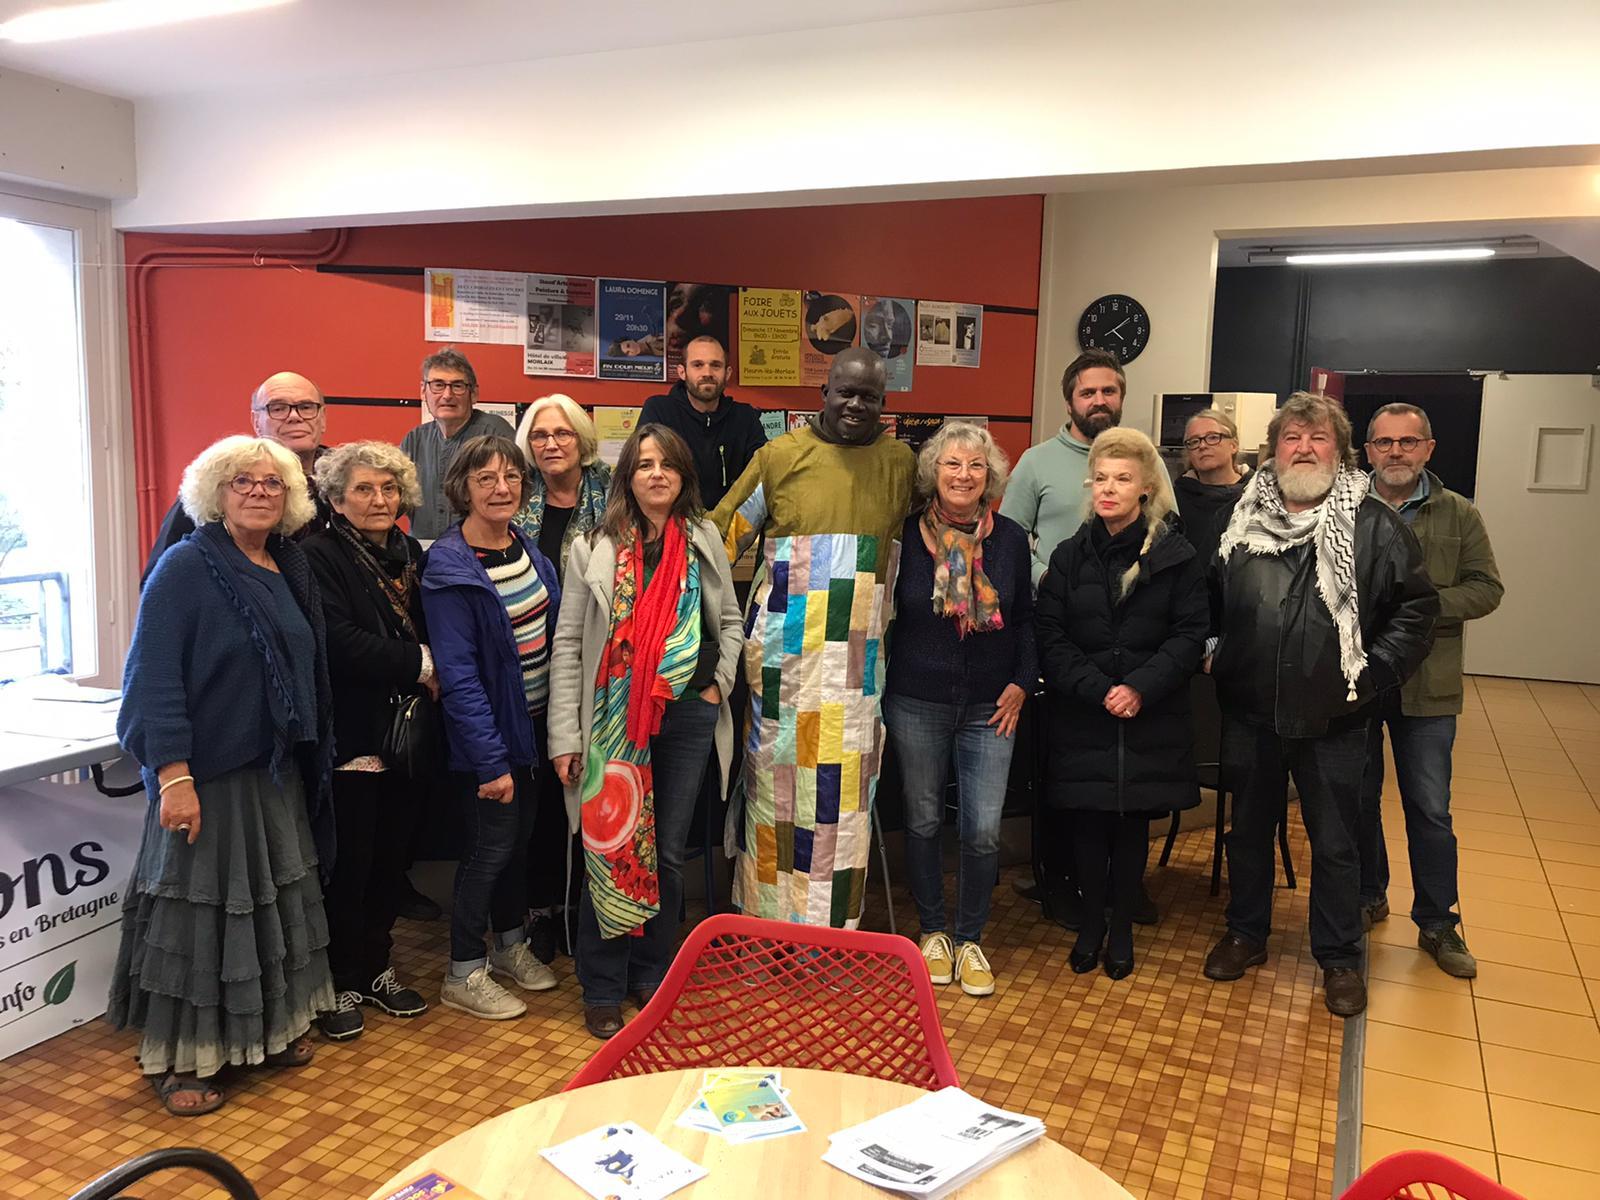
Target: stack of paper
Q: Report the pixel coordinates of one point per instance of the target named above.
(623, 1162)
(933, 1145)
(742, 1104)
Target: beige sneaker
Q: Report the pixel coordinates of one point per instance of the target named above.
(481, 996)
(972, 970)
(519, 965)
(936, 952)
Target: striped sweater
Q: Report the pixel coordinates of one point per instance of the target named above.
(528, 605)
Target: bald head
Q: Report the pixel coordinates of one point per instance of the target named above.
(852, 401)
(288, 409)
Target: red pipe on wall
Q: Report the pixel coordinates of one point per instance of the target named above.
(142, 386)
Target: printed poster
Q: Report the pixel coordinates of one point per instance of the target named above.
(949, 335)
(774, 423)
(799, 419)
(888, 327)
(632, 343)
(914, 429)
(612, 427)
(473, 306)
(830, 322)
(559, 338)
(769, 337)
(697, 310)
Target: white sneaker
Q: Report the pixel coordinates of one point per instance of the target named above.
(973, 970)
(940, 957)
(519, 965)
(481, 996)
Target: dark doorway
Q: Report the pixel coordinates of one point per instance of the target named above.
(1454, 404)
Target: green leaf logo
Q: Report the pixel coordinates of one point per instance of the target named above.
(60, 985)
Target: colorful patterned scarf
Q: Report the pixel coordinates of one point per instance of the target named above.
(651, 651)
(961, 590)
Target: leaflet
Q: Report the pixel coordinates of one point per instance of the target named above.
(624, 1162)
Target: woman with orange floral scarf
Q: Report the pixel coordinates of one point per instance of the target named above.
(645, 653)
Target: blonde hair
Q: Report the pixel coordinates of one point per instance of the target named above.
(588, 440)
(213, 468)
(1157, 500)
(972, 437)
(332, 471)
(1229, 429)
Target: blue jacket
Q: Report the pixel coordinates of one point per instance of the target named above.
(475, 654)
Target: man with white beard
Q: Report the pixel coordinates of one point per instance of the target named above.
(1320, 605)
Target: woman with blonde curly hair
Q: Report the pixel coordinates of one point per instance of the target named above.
(1122, 618)
(368, 572)
(226, 705)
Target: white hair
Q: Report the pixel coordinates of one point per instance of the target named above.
(333, 470)
(970, 437)
(588, 439)
(213, 468)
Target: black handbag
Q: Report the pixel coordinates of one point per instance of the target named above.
(413, 743)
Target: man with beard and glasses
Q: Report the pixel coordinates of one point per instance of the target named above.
(1321, 606)
(1422, 716)
(722, 434)
(830, 500)
(1045, 495)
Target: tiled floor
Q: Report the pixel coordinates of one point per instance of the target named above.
(1503, 1073)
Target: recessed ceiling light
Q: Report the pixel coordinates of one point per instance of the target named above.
(117, 16)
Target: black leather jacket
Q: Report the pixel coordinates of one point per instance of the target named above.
(1277, 658)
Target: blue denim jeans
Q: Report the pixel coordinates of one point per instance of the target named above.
(925, 735)
(609, 968)
(491, 888)
(1422, 748)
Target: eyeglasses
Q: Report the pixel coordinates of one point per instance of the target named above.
(366, 491)
(561, 437)
(1203, 439)
(956, 467)
(487, 480)
(279, 409)
(243, 485)
(1384, 445)
(438, 387)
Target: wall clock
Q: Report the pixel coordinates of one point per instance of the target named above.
(1116, 323)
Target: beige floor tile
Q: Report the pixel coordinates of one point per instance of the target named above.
(1497, 802)
(1533, 989)
(1523, 950)
(1588, 960)
(1380, 1143)
(1501, 866)
(1481, 787)
(1422, 1055)
(1572, 874)
(1548, 1078)
(1506, 891)
(1483, 774)
(1581, 928)
(1542, 1181)
(1428, 1008)
(1562, 1034)
(1545, 1133)
(1578, 853)
(1489, 822)
(1511, 918)
(1564, 831)
(1432, 1110)
(1593, 986)
(1518, 845)
(1577, 900)
(1396, 931)
(1408, 965)
(1575, 810)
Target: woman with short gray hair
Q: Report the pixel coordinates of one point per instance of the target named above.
(368, 571)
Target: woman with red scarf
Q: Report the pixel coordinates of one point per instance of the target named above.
(644, 658)
(961, 663)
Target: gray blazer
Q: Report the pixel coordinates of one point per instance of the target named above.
(581, 629)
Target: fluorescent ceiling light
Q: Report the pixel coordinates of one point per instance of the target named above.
(117, 16)
(1331, 258)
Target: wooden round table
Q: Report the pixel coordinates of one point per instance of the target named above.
(499, 1159)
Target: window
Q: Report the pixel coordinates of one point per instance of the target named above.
(65, 519)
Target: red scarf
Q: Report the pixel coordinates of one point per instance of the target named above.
(654, 616)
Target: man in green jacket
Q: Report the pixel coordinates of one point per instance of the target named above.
(1422, 717)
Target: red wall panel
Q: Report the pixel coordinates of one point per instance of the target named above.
(206, 330)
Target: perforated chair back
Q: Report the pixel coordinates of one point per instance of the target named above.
(1424, 1175)
(745, 991)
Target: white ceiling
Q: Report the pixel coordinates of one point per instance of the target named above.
(314, 41)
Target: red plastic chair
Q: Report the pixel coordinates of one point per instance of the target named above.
(744, 991)
(1424, 1175)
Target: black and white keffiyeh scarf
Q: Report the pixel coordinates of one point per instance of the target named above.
(1262, 525)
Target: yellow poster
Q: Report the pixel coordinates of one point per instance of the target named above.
(769, 337)
(612, 427)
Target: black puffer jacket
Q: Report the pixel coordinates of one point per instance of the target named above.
(1277, 657)
(1205, 509)
(1090, 641)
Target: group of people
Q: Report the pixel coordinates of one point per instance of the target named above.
(579, 629)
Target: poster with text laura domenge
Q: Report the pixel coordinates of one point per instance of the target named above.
(631, 318)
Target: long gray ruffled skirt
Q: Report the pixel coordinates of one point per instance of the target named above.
(224, 943)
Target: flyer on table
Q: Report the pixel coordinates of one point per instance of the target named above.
(888, 327)
(697, 310)
(829, 323)
(632, 313)
(560, 338)
(473, 306)
(769, 337)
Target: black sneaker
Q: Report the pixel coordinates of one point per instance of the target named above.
(343, 1023)
(1449, 950)
(543, 934)
(1374, 911)
(387, 993)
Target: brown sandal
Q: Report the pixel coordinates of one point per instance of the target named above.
(172, 1085)
(296, 1054)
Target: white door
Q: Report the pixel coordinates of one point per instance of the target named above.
(1539, 493)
